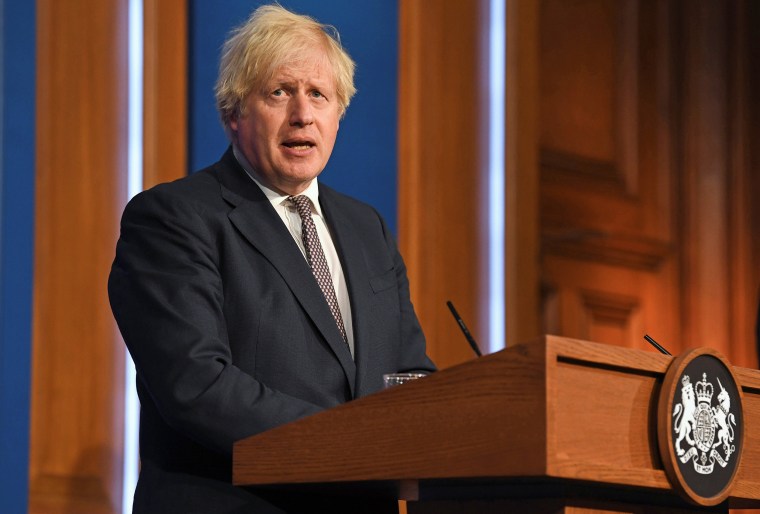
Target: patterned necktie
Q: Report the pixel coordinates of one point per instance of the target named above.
(316, 258)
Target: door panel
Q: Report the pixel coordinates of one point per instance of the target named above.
(644, 219)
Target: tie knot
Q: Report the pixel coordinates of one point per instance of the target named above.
(303, 205)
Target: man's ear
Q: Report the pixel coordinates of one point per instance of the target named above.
(231, 128)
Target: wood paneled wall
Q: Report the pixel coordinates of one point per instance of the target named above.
(442, 177)
(644, 172)
(631, 171)
(606, 135)
(631, 185)
(78, 359)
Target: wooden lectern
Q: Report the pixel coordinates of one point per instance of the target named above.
(556, 425)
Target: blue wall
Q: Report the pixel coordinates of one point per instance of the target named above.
(364, 161)
(17, 86)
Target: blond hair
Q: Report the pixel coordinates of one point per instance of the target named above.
(271, 37)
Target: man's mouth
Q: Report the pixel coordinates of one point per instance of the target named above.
(299, 144)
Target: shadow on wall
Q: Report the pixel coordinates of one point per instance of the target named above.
(81, 490)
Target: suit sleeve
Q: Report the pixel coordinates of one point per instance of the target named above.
(167, 297)
(413, 356)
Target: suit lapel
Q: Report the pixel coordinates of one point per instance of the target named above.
(260, 225)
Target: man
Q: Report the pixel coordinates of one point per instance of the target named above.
(248, 294)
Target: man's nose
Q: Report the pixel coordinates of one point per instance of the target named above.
(301, 110)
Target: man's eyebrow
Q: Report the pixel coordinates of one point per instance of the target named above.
(322, 84)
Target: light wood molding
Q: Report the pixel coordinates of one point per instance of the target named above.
(625, 250)
(603, 175)
(611, 317)
(165, 95)
(78, 360)
(442, 224)
(522, 290)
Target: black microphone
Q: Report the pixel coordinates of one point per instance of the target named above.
(466, 332)
(656, 344)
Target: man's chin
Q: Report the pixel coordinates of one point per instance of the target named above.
(294, 184)
(298, 174)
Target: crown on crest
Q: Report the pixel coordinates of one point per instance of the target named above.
(704, 390)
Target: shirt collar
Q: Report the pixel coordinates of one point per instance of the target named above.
(275, 198)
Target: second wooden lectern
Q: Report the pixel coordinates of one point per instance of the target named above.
(556, 425)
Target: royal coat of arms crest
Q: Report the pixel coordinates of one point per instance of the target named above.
(700, 426)
(705, 429)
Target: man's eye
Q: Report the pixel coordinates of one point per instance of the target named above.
(317, 94)
(278, 92)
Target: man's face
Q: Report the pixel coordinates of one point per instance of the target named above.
(288, 129)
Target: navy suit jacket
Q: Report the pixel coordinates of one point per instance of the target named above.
(231, 335)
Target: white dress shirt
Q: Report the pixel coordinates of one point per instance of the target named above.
(289, 215)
